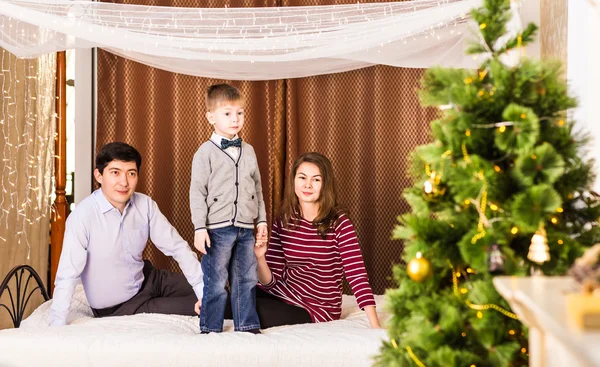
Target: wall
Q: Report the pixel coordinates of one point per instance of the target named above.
(583, 73)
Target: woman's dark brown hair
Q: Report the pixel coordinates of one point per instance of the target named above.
(328, 205)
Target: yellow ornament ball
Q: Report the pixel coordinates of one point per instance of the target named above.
(419, 268)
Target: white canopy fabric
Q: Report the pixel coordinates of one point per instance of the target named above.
(247, 43)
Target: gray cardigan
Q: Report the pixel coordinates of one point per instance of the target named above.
(224, 192)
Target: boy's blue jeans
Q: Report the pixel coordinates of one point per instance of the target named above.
(230, 256)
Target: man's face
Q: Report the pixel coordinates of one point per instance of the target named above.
(227, 119)
(118, 181)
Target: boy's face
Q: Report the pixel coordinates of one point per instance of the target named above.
(118, 181)
(227, 118)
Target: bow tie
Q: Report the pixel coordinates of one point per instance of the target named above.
(231, 143)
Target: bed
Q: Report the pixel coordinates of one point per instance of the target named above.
(171, 340)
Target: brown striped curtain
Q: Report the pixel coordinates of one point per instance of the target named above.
(366, 121)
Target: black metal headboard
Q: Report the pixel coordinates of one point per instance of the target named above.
(19, 300)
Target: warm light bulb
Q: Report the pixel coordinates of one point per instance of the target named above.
(428, 187)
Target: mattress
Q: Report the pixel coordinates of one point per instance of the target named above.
(171, 340)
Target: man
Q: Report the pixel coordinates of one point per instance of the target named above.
(104, 240)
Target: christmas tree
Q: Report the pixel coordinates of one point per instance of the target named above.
(503, 189)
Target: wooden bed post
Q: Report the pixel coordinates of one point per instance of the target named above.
(60, 208)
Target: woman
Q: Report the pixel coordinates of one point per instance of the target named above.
(313, 243)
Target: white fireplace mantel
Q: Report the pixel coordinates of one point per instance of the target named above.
(540, 304)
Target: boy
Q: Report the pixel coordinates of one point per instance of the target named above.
(104, 240)
(225, 201)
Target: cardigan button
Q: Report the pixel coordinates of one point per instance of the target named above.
(215, 199)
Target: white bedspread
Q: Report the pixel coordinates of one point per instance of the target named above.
(167, 340)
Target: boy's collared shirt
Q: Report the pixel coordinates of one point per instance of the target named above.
(104, 248)
(234, 152)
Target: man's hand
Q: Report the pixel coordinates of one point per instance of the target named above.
(197, 306)
(201, 241)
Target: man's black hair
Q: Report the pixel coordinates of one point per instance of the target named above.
(117, 151)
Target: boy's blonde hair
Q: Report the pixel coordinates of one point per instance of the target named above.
(219, 93)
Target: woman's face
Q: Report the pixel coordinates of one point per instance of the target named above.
(307, 183)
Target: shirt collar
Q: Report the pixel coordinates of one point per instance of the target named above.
(216, 138)
(105, 205)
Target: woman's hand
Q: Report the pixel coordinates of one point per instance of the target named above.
(264, 273)
(372, 316)
(260, 249)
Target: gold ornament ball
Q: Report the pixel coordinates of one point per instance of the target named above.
(419, 268)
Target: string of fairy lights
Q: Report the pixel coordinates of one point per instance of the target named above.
(27, 127)
(382, 33)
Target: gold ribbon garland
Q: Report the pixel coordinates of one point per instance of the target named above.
(414, 357)
(465, 153)
(438, 178)
(474, 306)
(483, 204)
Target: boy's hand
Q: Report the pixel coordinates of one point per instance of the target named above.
(201, 241)
(260, 248)
(261, 235)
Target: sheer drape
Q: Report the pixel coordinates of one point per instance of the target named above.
(246, 43)
(27, 146)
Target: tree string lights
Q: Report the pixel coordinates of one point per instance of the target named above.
(27, 124)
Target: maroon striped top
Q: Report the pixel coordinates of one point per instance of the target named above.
(307, 269)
